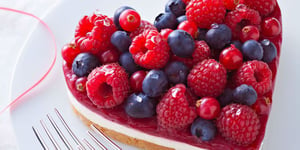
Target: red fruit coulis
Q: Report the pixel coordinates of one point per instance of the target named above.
(149, 126)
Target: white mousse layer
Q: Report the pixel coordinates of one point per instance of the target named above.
(97, 119)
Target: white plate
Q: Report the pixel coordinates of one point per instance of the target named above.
(283, 127)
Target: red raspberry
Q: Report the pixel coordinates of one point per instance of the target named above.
(231, 4)
(238, 124)
(93, 33)
(241, 17)
(202, 52)
(264, 7)
(207, 78)
(206, 12)
(255, 73)
(145, 25)
(108, 86)
(150, 50)
(174, 110)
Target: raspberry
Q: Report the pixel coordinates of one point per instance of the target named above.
(206, 12)
(108, 86)
(238, 124)
(93, 33)
(231, 4)
(145, 25)
(201, 52)
(186, 1)
(255, 73)
(207, 78)
(241, 17)
(174, 110)
(150, 50)
(264, 7)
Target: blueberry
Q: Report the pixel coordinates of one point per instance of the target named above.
(140, 106)
(237, 44)
(84, 63)
(155, 83)
(118, 13)
(226, 97)
(270, 50)
(176, 72)
(252, 50)
(128, 63)
(181, 19)
(165, 20)
(204, 129)
(201, 34)
(218, 36)
(245, 94)
(121, 41)
(177, 7)
(181, 43)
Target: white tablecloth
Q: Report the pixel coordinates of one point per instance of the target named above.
(14, 29)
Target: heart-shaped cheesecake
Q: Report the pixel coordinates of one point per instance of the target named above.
(200, 77)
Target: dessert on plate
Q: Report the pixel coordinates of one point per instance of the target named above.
(200, 77)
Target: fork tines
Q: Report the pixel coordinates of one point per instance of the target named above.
(83, 144)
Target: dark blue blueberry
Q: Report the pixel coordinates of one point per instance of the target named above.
(218, 36)
(128, 63)
(270, 50)
(201, 34)
(155, 83)
(252, 50)
(121, 41)
(204, 129)
(140, 106)
(165, 20)
(237, 44)
(177, 7)
(245, 94)
(84, 63)
(181, 19)
(176, 72)
(226, 97)
(117, 15)
(181, 43)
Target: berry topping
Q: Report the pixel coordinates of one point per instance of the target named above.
(189, 27)
(252, 50)
(176, 72)
(177, 7)
(136, 81)
(204, 129)
(244, 94)
(207, 78)
(271, 27)
(150, 50)
(270, 50)
(166, 20)
(231, 58)
(145, 25)
(121, 41)
(93, 33)
(108, 86)
(165, 33)
(208, 108)
(264, 7)
(109, 56)
(129, 20)
(174, 110)
(140, 106)
(249, 33)
(127, 62)
(226, 97)
(69, 52)
(256, 74)
(181, 43)
(84, 63)
(238, 124)
(181, 18)
(231, 4)
(155, 83)
(206, 12)
(218, 36)
(81, 84)
(118, 13)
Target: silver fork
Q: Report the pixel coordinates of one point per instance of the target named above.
(83, 144)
